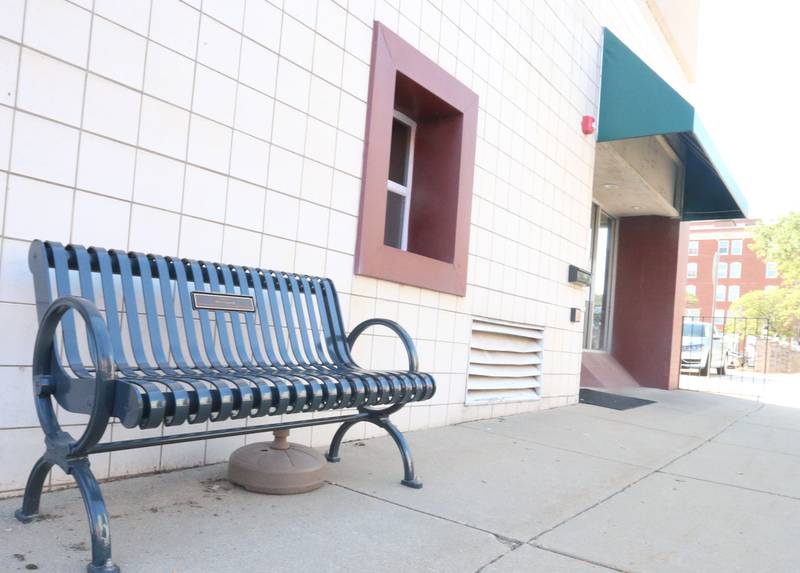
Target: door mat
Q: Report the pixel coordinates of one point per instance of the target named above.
(613, 401)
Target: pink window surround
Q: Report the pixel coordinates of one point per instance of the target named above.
(447, 111)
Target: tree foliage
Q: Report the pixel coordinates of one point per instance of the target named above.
(780, 306)
(780, 243)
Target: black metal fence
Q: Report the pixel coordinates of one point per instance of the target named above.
(733, 347)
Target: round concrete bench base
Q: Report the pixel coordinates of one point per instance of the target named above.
(277, 467)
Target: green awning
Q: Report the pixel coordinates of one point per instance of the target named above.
(636, 102)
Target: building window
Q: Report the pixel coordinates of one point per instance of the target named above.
(722, 247)
(736, 247)
(722, 270)
(693, 312)
(401, 170)
(772, 270)
(418, 167)
(735, 271)
(733, 293)
(691, 289)
(694, 248)
(720, 293)
(691, 271)
(719, 316)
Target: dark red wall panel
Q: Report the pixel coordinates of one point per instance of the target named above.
(651, 263)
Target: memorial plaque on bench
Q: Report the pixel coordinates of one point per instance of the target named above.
(218, 301)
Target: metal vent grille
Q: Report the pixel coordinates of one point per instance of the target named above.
(505, 362)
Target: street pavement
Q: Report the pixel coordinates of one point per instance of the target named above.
(695, 482)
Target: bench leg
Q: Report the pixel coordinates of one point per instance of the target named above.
(33, 491)
(98, 517)
(333, 452)
(410, 478)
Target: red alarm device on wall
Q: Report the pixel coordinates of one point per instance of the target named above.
(587, 124)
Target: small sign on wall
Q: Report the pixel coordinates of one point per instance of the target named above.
(579, 276)
(575, 315)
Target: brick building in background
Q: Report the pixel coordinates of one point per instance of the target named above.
(739, 269)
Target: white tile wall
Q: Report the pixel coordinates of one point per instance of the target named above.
(106, 166)
(168, 75)
(112, 109)
(236, 133)
(40, 78)
(117, 53)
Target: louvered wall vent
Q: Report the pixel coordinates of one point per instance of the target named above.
(505, 362)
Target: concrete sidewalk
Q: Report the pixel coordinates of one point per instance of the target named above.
(695, 482)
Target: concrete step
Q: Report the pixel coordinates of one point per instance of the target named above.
(601, 370)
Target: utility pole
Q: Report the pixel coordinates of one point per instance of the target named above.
(714, 281)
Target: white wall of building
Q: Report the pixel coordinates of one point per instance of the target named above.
(233, 130)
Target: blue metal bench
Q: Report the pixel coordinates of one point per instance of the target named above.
(269, 343)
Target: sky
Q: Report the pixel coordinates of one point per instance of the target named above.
(748, 95)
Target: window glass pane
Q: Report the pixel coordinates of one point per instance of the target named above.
(736, 271)
(720, 292)
(722, 270)
(691, 271)
(587, 300)
(723, 247)
(694, 329)
(772, 270)
(693, 247)
(398, 156)
(395, 207)
(736, 247)
(601, 277)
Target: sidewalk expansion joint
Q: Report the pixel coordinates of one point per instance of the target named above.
(771, 426)
(559, 448)
(503, 539)
(554, 551)
(577, 557)
(638, 480)
(595, 417)
(733, 485)
(755, 449)
(498, 558)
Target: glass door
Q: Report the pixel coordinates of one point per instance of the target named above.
(598, 302)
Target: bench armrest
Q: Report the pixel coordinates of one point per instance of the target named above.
(402, 333)
(43, 353)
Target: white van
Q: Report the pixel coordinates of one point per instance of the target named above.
(702, 348)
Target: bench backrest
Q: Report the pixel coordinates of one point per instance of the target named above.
(165, 313)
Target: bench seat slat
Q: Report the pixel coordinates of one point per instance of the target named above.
(112, 313)
(68, 329)
(122, 261)
(236, 327)
(271, 393)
